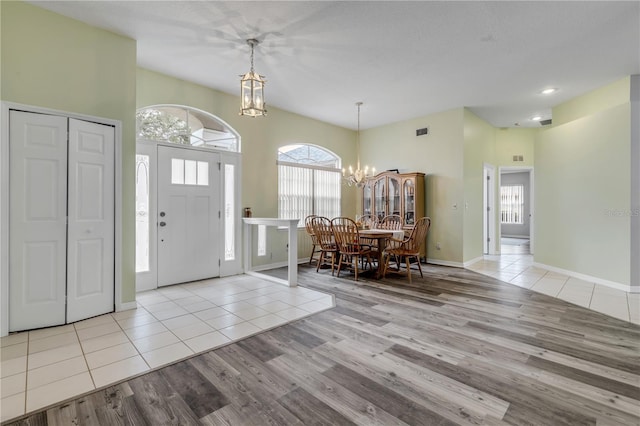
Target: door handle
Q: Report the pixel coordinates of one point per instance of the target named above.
(163, 224)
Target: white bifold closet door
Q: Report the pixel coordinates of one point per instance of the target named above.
(61, 237)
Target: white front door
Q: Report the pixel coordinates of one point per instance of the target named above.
(38, 214)
(90, 255)
(61, 225)
(188, 215)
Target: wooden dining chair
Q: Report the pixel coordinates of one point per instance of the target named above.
(408, 248)
(321, 228)
(352, 250)
(391, 221)
(315, 245)
(368, 221)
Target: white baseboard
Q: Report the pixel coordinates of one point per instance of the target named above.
(277, 265)
(269, 266)
(472, 261)
(445, 263)
(126, 306)
(584, 277)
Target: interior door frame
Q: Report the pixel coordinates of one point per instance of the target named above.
(489, 209)
(5, 107)
(532, 215)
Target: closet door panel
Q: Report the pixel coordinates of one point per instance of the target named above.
(90, 263)
(37, 211)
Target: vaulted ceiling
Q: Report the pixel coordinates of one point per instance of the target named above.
(402, 59)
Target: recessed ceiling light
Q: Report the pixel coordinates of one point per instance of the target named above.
(536, 118)
(549, 91)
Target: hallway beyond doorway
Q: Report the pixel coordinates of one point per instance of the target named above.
(515, 245)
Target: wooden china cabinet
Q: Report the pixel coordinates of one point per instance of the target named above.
(395, 193)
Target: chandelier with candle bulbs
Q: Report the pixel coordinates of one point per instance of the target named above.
(358, 176)
(252, 89)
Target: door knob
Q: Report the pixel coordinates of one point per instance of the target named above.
(162, 214)
(163, 224)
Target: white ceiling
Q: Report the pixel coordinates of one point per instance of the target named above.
(402, 59)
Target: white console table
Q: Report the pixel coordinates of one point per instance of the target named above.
(292, 226)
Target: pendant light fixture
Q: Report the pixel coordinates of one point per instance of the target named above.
(358, 176)
(252, 89)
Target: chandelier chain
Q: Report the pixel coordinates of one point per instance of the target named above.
(251, 56)
(358, 176)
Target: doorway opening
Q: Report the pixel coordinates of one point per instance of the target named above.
(516, 218)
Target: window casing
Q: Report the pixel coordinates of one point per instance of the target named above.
(309, 182)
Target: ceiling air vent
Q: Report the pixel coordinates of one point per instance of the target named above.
(545, 122)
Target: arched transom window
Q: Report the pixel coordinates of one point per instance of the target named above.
(309, 182)
(185, 126)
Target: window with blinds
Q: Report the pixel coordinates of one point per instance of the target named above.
(512, 204)
(309, 182)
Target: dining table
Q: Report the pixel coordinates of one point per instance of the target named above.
(380, 236)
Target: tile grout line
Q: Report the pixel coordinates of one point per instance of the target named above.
(84, 356)
(26, 371)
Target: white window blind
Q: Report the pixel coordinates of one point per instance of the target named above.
(512, 204)
(309, 182)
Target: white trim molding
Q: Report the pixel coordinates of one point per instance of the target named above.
(635, 184)
(126, 306)
(472, 261)
(584, 277)
(445, 263)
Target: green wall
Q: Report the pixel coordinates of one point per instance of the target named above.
(439, 155)
(599, 99)
(515, 141)
(582, 187)
(479, 148)
(52, 61)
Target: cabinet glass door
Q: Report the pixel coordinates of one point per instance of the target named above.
(394, 196)
(409, 192)
(379, 191)
(366, 199)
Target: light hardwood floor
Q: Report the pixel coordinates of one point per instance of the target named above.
(456, 347)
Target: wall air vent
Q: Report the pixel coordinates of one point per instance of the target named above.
(545, 122)
(423, 131)
(518, 158)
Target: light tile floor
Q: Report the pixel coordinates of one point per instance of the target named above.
(46, 366)
(518, 269)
